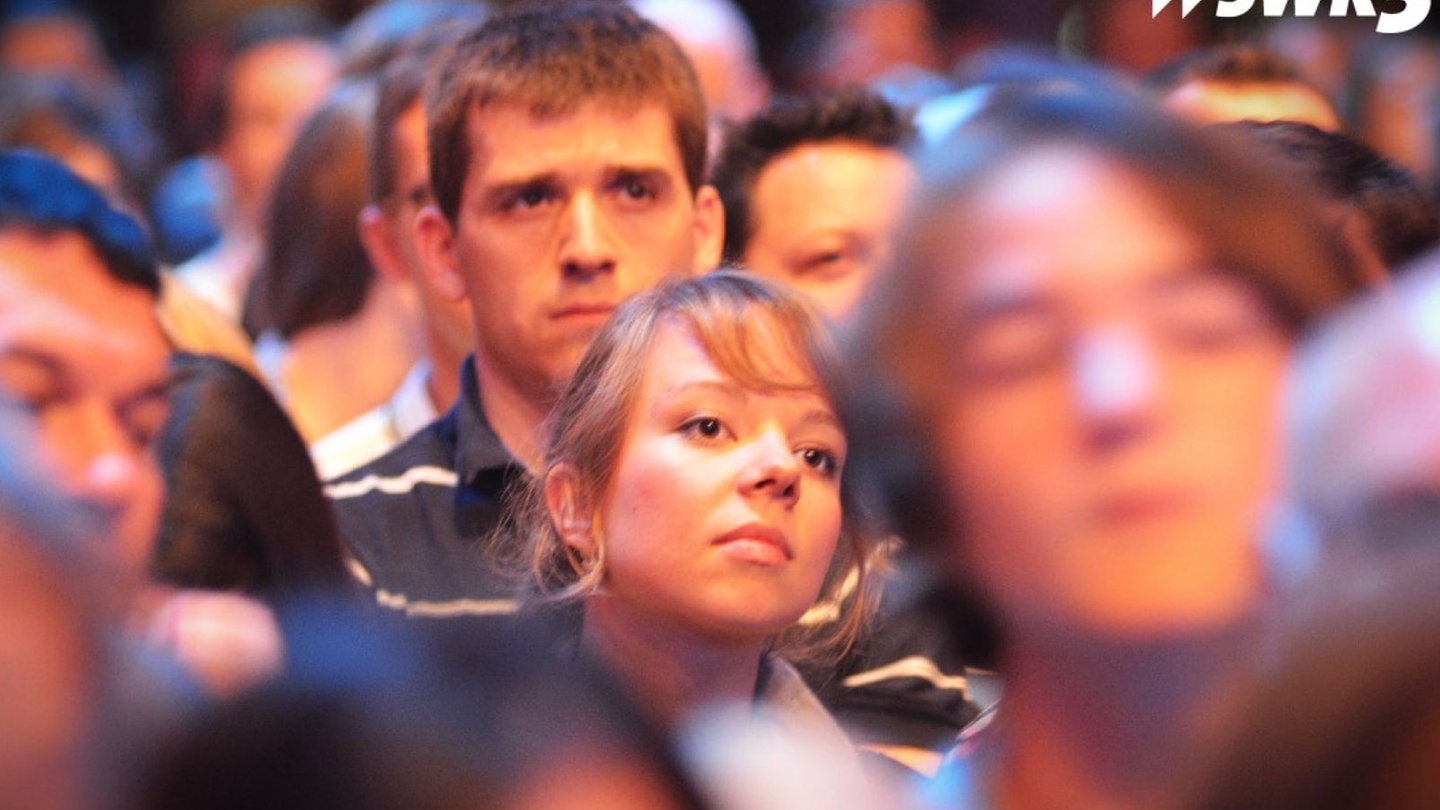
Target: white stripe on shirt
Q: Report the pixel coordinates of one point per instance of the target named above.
(452, 607)
(393, 485)
(913, 667)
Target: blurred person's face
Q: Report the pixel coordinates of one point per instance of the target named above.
(391, 242)
(724, 508)
(823, 218)
(720, 49)
(867, 40)
(561, 218)
(272, 89)
(1219, 102)
(1399, 108)
(59, 43)
(85, 354)
(1107, 439)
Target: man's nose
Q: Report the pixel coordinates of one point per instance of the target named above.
(1115, 382)
(101, 461)
(587, 248)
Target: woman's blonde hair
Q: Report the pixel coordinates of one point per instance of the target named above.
(755, 331)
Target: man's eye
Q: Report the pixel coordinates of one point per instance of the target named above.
(526, 199)
(637, 190)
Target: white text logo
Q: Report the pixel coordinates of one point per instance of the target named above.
(1390, 22)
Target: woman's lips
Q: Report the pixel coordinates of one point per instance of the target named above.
(758, 543)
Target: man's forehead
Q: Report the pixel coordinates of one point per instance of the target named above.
(62, 262)
(45, 331)
(56, 285)
(515, 139)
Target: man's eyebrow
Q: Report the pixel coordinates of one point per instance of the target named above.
(503, 184)
(31, 354)
(649, 172)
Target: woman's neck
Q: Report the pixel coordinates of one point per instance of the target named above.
(670, 670)
(1102, 723)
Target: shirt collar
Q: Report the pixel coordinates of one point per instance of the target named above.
(477, 448)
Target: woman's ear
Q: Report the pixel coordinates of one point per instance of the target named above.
(570, 510)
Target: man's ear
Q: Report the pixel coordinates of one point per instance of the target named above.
(709, 229)
(436, 240)
(377, 235)
(570, 510)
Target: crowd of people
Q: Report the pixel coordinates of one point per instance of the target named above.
(542, 404)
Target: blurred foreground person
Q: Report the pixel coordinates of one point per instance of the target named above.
(1362, 444)
(82, 350)
(1348, 714)
(81, 346)
(51, 647)
(420, 717)
(1069, 383)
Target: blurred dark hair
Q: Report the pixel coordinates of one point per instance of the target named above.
(41, 193)
(315, 269)
(1401, 216)
(837, 116)
(243, 506)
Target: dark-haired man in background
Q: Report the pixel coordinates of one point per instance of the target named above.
(812, 189)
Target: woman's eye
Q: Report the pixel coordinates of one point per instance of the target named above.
(820, 460)
(705, 427)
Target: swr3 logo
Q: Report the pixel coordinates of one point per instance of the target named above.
(1388, 22)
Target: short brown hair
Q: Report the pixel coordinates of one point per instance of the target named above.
(744, 323)
(554, 58)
